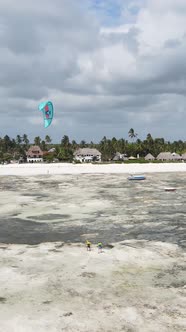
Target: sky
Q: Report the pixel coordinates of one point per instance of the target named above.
(107, 66)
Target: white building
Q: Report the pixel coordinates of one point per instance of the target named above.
(87, 155)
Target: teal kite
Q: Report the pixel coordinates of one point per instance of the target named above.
(48, 112)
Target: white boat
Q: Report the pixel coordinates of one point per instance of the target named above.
(170, 189)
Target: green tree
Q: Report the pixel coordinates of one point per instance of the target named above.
(43, 146)
(65, 154)
(107, 149)
(148, 145)
(48, 139)
(121, 145)
(18, 139)
(7, 144)
(25, 140)
(74, 145)
(65, 142)
(83, 144)
(37, 140)
(132, 134)
(7, 156)
(114, 143)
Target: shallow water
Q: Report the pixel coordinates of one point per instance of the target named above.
(104, 207)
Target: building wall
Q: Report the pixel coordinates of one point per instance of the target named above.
(34, 160)
(86, 158)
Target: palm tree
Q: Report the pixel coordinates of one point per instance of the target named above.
(65, 154)
(6, 142)
(74, 144)
(18, 139)
(65, 141)
(48, 139)
(43, 145)
(83, 144)
(37, 140)
(25, 140)
(132, 134)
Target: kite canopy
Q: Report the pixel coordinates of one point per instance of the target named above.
(48, 112)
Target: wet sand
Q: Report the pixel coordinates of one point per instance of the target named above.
(49, 282)
(103, 207)
(135, 286)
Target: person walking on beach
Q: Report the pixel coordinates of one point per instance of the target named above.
(88, 244)
(100, 247)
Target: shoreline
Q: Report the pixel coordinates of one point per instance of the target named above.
(68, 168)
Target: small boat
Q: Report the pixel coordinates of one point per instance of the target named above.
(170, 189)
(136, 177)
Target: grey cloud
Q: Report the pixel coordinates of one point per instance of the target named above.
(129, 39)
(20, 36)
(43, 46)
(40, 53)
(172, 43)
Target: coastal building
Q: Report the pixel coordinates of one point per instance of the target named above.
(34, 154)
(132, 158)
(149, 157)
(183, 157)
(167, 156)
(163, 156)
(117, 156)
(120, 156)
(176, 156)
(87, 155)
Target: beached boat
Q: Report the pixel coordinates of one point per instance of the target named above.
(136, 177)
(170, 189)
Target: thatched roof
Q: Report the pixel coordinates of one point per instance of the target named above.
(176, 156)
(164, 156)
(34, 152)
(183, 156)
(168, 156)
(87, 152)
(117, 156)
(149, 156)
(131, 158)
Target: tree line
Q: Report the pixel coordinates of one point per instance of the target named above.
(15, 148)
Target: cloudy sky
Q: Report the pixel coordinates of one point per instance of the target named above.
(107, 66)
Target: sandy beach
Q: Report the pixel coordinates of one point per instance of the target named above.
(67, 168)
(50, 282)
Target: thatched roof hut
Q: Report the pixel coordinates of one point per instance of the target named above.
(168, 156)
(149, 156)
(176, 156)
(34, 152)
(164, 156)
(87, 154)
(117, 156)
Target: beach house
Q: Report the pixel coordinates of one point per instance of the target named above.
(149, 157)
(87, 155)
(34, 154)
(167, 156)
